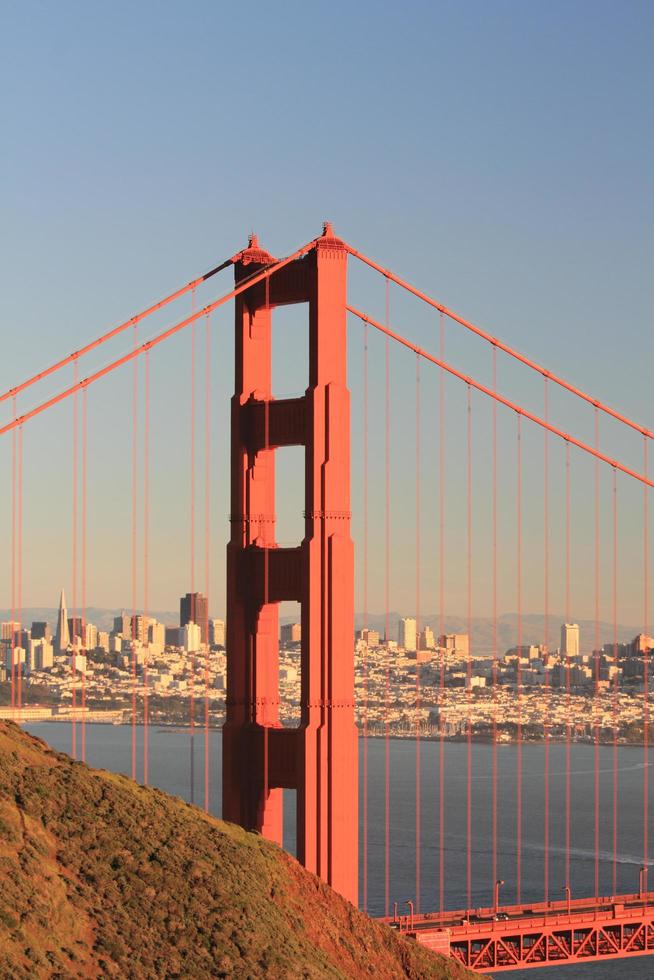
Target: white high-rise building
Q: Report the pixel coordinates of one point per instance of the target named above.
(62, 636)
(570, 640)
(90, 637)
(157, 633)
(40, 654)
(407, 634)
(192, 637)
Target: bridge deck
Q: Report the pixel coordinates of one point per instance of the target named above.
(538, 934)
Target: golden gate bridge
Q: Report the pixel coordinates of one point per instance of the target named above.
(319, 759)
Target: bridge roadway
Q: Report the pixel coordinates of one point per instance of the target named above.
(538, 934)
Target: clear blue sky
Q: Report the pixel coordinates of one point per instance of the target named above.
(500, 155)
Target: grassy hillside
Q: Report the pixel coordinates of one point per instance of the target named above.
(100, 877)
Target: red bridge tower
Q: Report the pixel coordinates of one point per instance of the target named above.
(319, 759)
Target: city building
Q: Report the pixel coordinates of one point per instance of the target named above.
(371, 637)
(78, 663)
(19, 659)
(90, 636)
(457, 644)
(76, 629)
(174, 636)
(9, 631)
(193, 609)
(62, 635)
(157, 634)
(426, 639)
(40, 654)
(217, 632)
(123, 625)
(115, 642)
(291, 633)
(41, 631)
(570, 640)
(192, 637)
(138, 626)
(406, 637)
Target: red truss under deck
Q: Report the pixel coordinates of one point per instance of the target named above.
(541, 934)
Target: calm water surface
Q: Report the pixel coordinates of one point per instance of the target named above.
(171, 752)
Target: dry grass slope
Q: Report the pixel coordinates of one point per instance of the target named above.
(100, 877)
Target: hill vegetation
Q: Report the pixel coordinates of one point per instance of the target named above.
(101, 877)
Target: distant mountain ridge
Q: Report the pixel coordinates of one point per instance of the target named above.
(532, 627)
(102, 617)
(532, 630)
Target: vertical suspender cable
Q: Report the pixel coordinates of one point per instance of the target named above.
(146, 561)
(646, 655)
(596, 732)
(194, 616)
(19, 691)
(441, 616)
(83, 557)
(468, 658)
(135, 379)
(387, 573)
(546, 638)
(13, 562)
(614, 686)
(567, 666)
(519, 666)
(494, 669)
(365, 617)
(207, 542)
(418, 583)
(74, 549)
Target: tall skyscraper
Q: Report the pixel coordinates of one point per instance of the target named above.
(570, 640)
(41, 631)
(76, 629)
(192, 637)
(217, 632)
(90, 640)
(291, 633)
(10, 630)
(123, 625)
(62, 636)
(407, 634)
(426, 639)
(138, 628)
(39, 655)
(157, 633)
(193, 609)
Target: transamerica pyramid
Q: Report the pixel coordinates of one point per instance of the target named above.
(62, 636)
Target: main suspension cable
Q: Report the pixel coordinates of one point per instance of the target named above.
(501, 400)
(76, 355)
(498, 343)
(158, 339)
